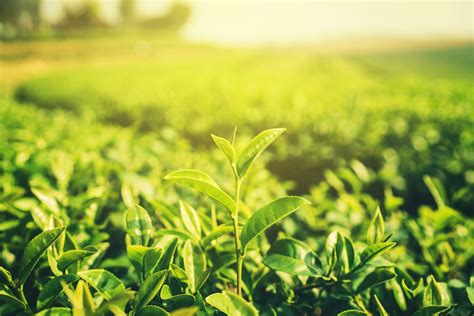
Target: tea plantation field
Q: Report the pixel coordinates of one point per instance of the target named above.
(115, 199)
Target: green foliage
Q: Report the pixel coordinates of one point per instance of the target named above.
(228, 250)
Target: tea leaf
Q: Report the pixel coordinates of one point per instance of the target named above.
(107, 284)
(72, 256)
(203, 183)
(150, 288)
(35, 249)
(375, 250)
(269, 215)
(225, 146)
(231, 304)
(432, 294)
(430, 310)
(288, 255)
(194, 264)
(190, 219)
(255, 147)
(216, 233)
(375, 232)
(380, 308)
(378, 276)
(56, 311)
(53, 288)
(11, 299)
(139, 225)
(152, 310)
(352, 312)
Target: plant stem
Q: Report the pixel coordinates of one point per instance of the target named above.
(21, 294)
(235, 218)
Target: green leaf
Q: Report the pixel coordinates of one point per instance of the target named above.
(219, 231)
(151, 260)
(375, 250)
(72, 256)
(380, 308)
(255, 147)
(56, 311)
(187, 311)
(376, 232)
(47, 199)
(432, 295)
(288, 255)
(203, 183)
(376, 277)
(11, 299)
(190, 219)
(136, 254)
(194, 264)
(231, 304)
(269, 215)
(53, 288)
(150, 288)
(334, 249)
(169, 244)
(430, 310)
(139, 225)
(35, 249)
(225, 146)
(6, 277)
(352, 312)
(152, 310)
(107, 284)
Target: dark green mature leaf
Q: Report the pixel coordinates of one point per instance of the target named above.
(269, 215)
(35, 249)
(152, 310)
(376, 277)
(430, 310)
(376, 229)
(375, 250)
(190, 219)
(72, 256)
(194, 264)
(107, 284)
(225, 146)
(352, 312)
(139, 225)
(288, 255)
(255, 147)
(53, 288)
(203, 183)
(9, 298)
(56, 311)
(231, 304)
(150, 288)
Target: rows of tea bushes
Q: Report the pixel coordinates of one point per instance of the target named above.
(404, 115)
(101, 220)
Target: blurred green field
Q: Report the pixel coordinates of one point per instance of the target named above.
(405, 112)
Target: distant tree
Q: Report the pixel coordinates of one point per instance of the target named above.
(128, 10)
(84, 15)
(174, 18)
(20, 15)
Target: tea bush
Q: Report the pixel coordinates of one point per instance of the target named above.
(75, 240)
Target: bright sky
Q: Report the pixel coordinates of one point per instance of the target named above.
(278, 21)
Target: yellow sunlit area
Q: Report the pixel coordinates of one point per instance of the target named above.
(236, 157)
